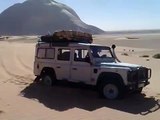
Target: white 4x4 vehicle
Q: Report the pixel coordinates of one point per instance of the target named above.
(81, 61)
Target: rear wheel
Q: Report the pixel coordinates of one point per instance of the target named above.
(37, 79)
(48, 79)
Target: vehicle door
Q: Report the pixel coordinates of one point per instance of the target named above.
(81, 67)
(63, 64)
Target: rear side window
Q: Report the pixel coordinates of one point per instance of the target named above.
(64, 54)
(41, 53)
(50, 53)
(44, 53)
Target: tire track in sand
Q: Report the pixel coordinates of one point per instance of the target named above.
(16, 79)
(23, 64)
(1, 111)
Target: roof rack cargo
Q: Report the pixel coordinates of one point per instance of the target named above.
(67, 36)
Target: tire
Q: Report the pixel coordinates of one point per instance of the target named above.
(48, 79)
(37, 79)
(138, 91)
(111, 90)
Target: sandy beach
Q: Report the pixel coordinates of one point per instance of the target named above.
(21, 98)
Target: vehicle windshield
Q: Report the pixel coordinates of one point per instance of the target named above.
(102, 54)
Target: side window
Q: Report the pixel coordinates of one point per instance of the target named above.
(64, 54)
(41, 53)
(81, 55)
(50, 53)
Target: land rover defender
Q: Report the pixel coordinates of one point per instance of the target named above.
(71, 56)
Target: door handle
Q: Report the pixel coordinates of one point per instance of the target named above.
(74, 68)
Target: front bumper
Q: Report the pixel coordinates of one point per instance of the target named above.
(139, 78)
(136, 86)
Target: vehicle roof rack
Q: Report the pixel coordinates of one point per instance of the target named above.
(67, 37)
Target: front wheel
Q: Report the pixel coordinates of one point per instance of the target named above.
(111, 90)
(138, 91)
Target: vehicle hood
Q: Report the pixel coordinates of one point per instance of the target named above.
(120, 65)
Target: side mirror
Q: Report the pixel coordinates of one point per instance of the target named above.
(113, 46)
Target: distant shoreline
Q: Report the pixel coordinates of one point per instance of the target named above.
(134, 32)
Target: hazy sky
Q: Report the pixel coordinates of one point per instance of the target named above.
(112, 14)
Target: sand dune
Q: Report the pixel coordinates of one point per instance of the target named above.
(21, 98)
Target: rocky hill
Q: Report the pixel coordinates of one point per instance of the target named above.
(40, 17)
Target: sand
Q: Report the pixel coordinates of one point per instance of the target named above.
(22, 99)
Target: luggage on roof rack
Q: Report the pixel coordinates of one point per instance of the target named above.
(68, 36)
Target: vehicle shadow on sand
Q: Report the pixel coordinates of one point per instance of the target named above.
(66, 96)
